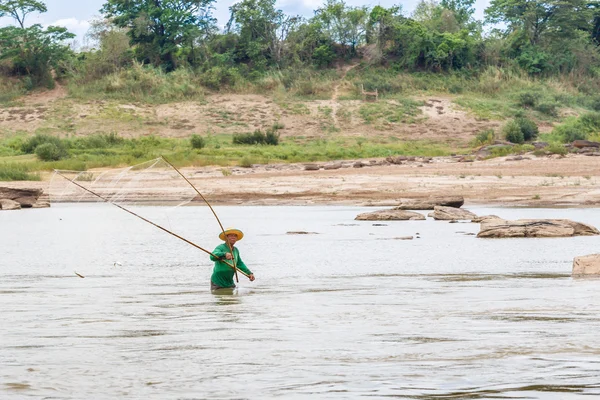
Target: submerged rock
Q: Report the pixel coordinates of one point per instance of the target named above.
(430, 203)
(587, 265)
(452, 214)
(390, 215)
(500, 228)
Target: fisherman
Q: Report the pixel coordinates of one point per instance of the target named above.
(222, 276)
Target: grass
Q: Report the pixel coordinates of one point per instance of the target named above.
(383, 114)
(14, 171)
(99, 151)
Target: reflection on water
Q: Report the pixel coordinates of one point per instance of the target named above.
(339, 314)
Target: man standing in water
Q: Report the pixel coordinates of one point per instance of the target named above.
(222, 276)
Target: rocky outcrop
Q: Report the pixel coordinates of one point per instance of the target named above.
(580, 144)
(442, 213)
(390, 215)
(24, 198)
(484, 218)
(430, 203)
(586, 265)
(500, 228)
(6, 204)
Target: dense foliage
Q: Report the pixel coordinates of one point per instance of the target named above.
(541, 37)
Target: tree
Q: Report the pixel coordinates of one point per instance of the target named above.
(262, 30)
(536, 20)
(161, 28)
(345, 25)
(19, 9)
(33, 52)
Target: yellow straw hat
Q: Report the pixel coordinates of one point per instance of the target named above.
(230, 231)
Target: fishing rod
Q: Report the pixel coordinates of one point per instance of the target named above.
(235, 269)
(146, 220)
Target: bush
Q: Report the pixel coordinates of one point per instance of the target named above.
(512, 132)
(547, 108)
(31, 144)
(595, 104)
(528, 99)
(197, 142)
(258, 137)
(528, 127)
(556, 148)
(485, 137)
(49, 152)
(578, 128)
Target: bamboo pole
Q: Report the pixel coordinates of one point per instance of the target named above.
(146, 220)
(214, 213)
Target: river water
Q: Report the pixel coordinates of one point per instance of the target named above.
(346, 311)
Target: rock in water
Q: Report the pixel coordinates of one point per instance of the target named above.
(500, 228)
(587, 265)
(452, 214)
(430, 203)
(390, 215)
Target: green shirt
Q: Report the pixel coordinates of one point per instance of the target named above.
(222, 275)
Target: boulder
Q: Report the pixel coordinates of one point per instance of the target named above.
(12, 194)
(587, 265)
(396, 159)
(500, 228)
(443, 213)
(26, 202)
(484, 217)
(390, 215)
(332, 166)
(430, 203)
(6, 204)
(312, 167)
(25, 198)
(580, 144)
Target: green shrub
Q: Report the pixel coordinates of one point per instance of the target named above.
(49, 152)
(257, 137)
(570, 132)
(595, 103)
(30, 145)
(528, 99)
(547, 108)
(512, 132)
(578, 128)
(246, 162)
(528, 127)
(556, 148)
(197, 142)
(485, 137)
(272, 138)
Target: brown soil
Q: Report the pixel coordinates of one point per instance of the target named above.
(54, 112)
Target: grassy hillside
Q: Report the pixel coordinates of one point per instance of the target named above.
(141, 113)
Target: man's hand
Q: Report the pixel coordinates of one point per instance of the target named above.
(251, 277)
(228, 256)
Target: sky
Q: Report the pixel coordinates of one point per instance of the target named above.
(76, 14)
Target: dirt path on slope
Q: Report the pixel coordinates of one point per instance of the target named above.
(334, 97)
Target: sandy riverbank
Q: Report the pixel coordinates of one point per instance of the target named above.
(572, 181)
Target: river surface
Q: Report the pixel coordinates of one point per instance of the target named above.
(346, 311)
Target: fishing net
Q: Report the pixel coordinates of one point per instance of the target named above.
(154, 182)
(153, 191)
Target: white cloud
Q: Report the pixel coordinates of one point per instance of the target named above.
(74, 25)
